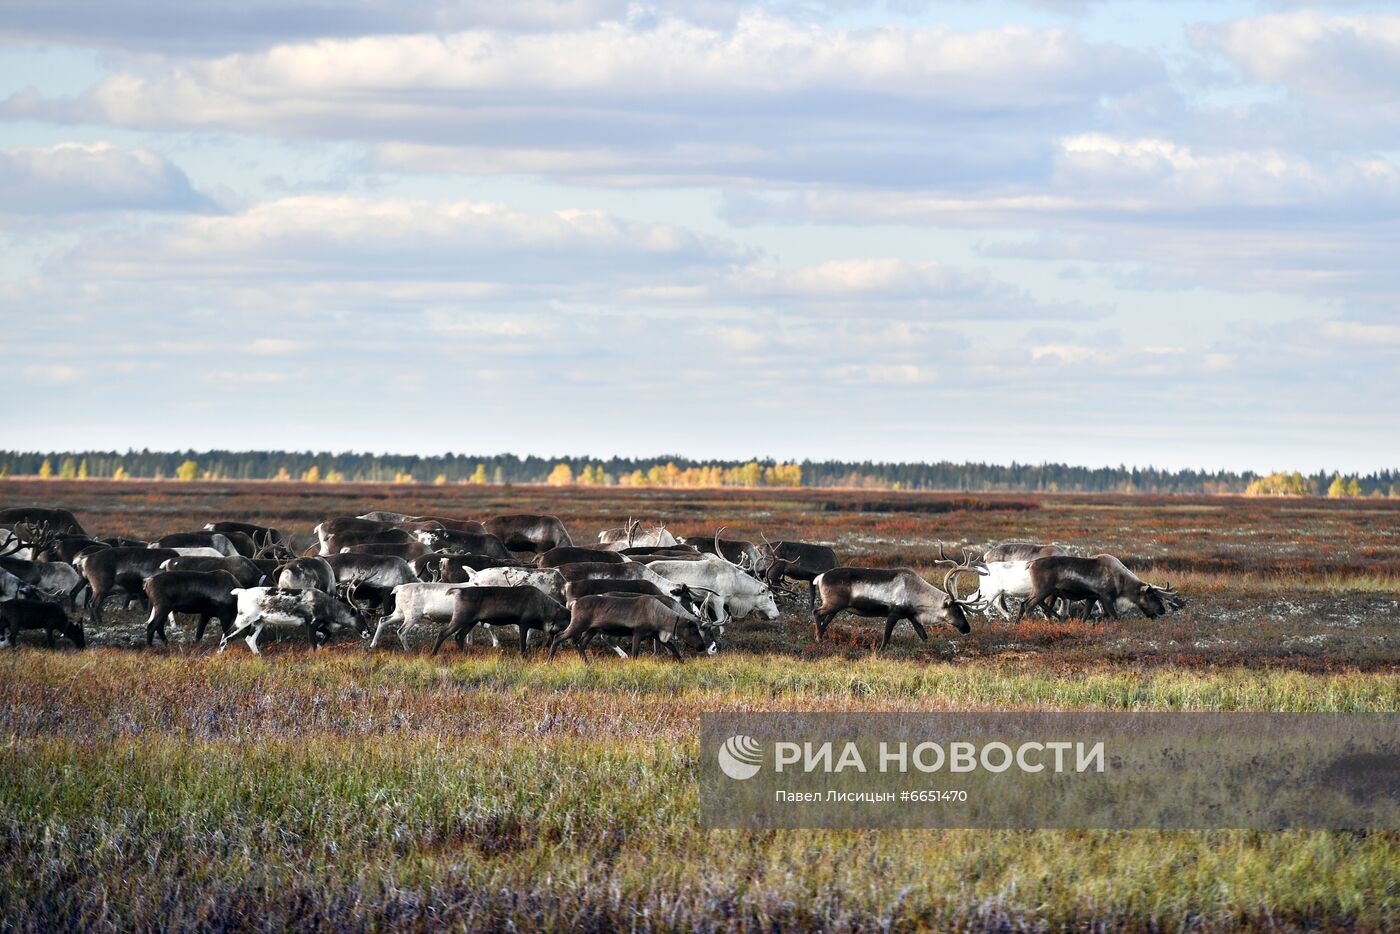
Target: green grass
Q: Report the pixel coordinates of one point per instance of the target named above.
(342, 790)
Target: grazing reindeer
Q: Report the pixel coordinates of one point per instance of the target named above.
(895, 594)
(638, 616)
(1102, 579)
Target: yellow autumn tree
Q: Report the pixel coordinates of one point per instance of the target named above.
(187, 471)
(1338, 488)
(479, 475)
(312, 475)
(119, 473)
(561, 475)
(45, 469)
(333, 476)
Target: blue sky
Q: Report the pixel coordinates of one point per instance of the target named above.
(1095, 232)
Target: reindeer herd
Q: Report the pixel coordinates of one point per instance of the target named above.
(385, 572)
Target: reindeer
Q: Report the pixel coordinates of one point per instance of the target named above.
(528, 532)
(799, 560)
(634, 535)
(895, 594)
(209, 594)
(639, 616)
(526, 607)
(575, 554)
(322, 614)
(1102, 579)
(24, 613)
(59, 521)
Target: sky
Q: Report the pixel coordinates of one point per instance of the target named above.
(1140, 232)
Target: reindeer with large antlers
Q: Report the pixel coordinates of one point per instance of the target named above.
(896, 594)
(797, 560)
(33, 537)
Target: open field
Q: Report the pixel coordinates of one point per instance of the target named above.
(179, 788)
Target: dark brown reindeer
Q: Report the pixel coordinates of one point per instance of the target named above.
(1102, 579)
(208, 594)
(525, 606)
(797, 560)
(636, 616)
(894, 593)
(24, 613)
(529, 532)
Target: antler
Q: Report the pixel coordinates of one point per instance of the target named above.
(967, 566)
(345, 590)
(37, 537)
(970, 559)
(272, 551)
(12, 545)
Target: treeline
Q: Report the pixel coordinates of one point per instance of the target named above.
(325, 466)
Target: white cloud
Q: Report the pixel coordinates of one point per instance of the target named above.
(760, 55)
(76, 178)
(896, 373)
(1070, 354)
(53, 373)
(1353, 61)
(272, 346)
(393, 239)
(1362, 333)
(758, 98)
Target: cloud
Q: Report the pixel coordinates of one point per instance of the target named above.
(1351, 60)
(1096, 177)
(53, 373)
(1357, 332)
(79, 178)
(224, 25)
(343, 238)
(632, 102)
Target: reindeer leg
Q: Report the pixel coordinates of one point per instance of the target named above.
(890, 623)
(636, 642)
(442, 637)
(918, 628)
(151, 627)
(252, 639)
(236, 633)
(384, 622)
(1029, 604)
(524, 639)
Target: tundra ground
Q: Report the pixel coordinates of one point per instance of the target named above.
(178, 788)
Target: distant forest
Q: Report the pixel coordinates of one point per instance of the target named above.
(675, 471)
